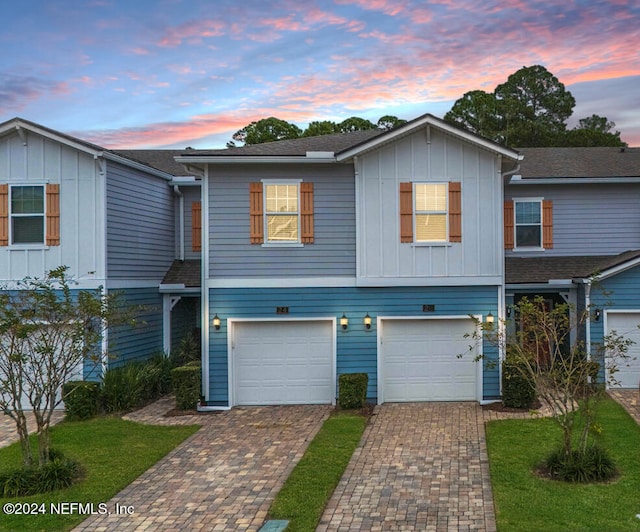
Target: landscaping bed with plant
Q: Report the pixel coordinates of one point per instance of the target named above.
(527, 499)
(113, 452)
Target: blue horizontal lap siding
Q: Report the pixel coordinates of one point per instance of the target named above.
(130, 344)
(620, 292)
(356, 347)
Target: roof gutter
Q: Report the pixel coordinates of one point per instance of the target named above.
(254, 159)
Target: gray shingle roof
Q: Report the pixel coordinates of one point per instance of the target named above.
(520, 270)
(580, 162)
(162, 160)
(295, 147)
(185, 272)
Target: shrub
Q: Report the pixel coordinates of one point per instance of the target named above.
(352, 390)
(186, 385)
(518, 390)
(58, 473)
(130, 386)
(188, 351)
(593, 464)
(81, 399)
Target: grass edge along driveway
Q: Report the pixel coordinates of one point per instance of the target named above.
(524, 501)
(114, 453)
(305, 493)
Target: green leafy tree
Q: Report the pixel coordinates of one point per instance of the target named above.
(387, 122)
(534, 106)
(355, 123)
(592, 131)
(321, 127)
(47, 332)
(266, 130)
(537, 345)
(477, 111)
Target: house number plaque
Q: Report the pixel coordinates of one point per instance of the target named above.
(282, 310)
(428, 308)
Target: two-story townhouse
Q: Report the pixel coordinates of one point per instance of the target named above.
(109, 216)
(362, 252)
(572, 234)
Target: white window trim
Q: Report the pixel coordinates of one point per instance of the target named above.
(432, 243)
(25, 245)
(279, 244)
(515, 225)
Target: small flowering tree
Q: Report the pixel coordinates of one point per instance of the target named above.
(537, 343)
(47, 332)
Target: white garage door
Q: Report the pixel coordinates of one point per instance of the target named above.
(281, 363)
(626, 324)
(419, 362)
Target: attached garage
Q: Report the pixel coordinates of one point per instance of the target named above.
(283, 362)
(417, 360)
(626, 324)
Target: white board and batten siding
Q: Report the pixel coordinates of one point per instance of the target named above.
(418, 360)
(383, 259)
(82, 244)
(280, 362)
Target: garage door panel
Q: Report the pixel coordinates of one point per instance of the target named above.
(420, 363)
(626, 324)
(283, 363)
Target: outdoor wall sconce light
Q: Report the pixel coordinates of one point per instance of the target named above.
(367, 321)
(596, 314)
(216, 322)
(489, 318)
(344, 322)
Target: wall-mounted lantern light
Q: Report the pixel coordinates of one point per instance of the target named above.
(367, 321)
(344, 322)
(216, 322)
(489, 318)
(596, 314)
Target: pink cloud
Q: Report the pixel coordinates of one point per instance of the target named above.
(193, 32)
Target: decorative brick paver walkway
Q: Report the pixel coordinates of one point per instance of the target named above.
(8, 432)
(420, 466)
(630, 399)
(224, 477)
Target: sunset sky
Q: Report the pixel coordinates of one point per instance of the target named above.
(177, 73)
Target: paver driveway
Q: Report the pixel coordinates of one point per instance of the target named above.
(420, 466)
(224, 477)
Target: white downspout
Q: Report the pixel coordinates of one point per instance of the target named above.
(587, 302)
(177, 192)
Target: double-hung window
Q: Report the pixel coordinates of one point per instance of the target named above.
(27, 214)
(430, 212)
(528, 223)
(282, 213)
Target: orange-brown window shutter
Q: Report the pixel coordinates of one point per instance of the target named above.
(53, 215)
(306, 213)
(196, 226)
(256, 231)
(455, 212)
(508, 225)
(547, 224)
(406, 212)
(4, 215)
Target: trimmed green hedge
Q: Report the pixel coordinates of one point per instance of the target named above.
(81, 399)
(518, 391)
(352, 390)
(186, 385)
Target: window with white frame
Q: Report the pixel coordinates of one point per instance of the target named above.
(27, 214)
(528, 223)
(430, 212)
(282, 212)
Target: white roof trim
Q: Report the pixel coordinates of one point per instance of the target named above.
(420, 123)
(618, 269)
(252, 159)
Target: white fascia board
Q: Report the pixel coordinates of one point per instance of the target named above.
(491, 280)
(618, 269)
(420, 123)
(17, 125)
(249, 159)
(574, 181)
(284, 282)
(537, 286)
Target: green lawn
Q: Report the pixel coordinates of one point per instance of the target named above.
(113, 451)
(526, 502)
(307, 490)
